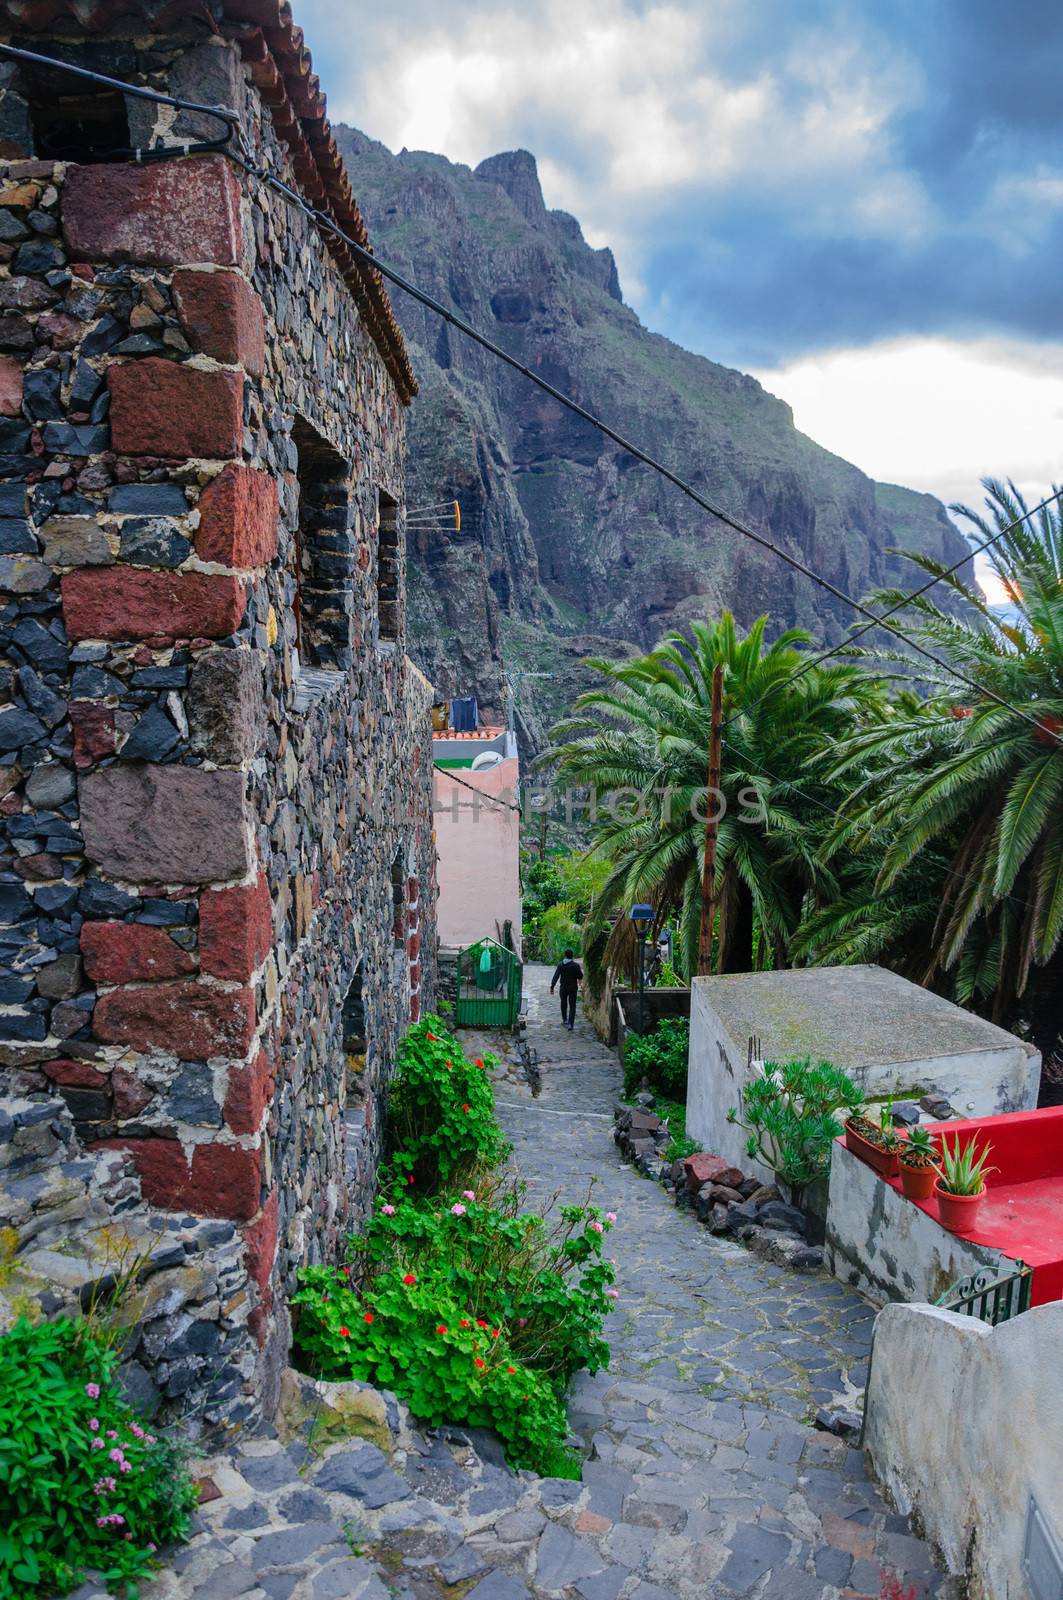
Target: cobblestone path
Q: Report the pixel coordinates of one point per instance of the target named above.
(703, 1481)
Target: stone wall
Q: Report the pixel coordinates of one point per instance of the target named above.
(216, 891)
(963, 1428)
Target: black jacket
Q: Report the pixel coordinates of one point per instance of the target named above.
(569, 975)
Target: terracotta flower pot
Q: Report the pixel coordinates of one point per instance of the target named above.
(958, 1212)
(886, 1162)
(918, 1182)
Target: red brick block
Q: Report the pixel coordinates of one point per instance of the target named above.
(167, 408)
(168, 214)
(249, 1093)
(222, 1180)
(226, 1181)
(136, 603)
(261, 1241)
(235, 930)
(75, 1074)
(222, 317)
(10, 387)
(185, 1019)
(94, 731)
(705, 1168)
(238, 518)
(130, 952)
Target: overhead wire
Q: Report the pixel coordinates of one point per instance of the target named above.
(245, 162)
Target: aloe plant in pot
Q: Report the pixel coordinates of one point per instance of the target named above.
(919, 1164)
(960, 1188)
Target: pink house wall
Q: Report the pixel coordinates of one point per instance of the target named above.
(478, 846)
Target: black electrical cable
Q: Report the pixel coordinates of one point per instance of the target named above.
(324, 221)
(489, 800)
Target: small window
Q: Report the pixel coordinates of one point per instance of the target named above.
(321, 561)
(387, 568)
(354, 1040)
(398, 902)
(75, 121)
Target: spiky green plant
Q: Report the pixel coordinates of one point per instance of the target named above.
(963, 1171)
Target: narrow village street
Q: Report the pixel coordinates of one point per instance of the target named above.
(703, 1481)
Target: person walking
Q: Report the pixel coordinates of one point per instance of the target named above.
(569, 974)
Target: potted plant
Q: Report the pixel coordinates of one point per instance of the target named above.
(875, 1141)
(919, 1164)
(960, 1187)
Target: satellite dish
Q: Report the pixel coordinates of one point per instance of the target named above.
(486, 760)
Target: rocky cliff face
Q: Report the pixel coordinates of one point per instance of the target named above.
(569, 546)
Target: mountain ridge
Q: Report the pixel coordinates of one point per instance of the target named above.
(569, 546)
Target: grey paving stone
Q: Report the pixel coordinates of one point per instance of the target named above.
(365, 1475)
(266, 1473)
(278, 1585)
(292, 1546)
(603, 1585)
(241, 1518)
(517, 1525)
(342, 1579)
(499, 1586)
(466, 1562)
(833, 1565)
(562, 1558)
(754, 1550)
(227, 1582)
(303, 1505)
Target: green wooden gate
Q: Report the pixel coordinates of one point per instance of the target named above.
(990, 1296)
(488, 986)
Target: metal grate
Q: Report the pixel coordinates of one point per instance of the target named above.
(1042, 1556)
(989, 1298)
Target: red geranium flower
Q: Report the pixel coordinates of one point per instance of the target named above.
(513, 1369)
(479, 1363)
(409, 1278)
(465, 1108)
(442, 1328)
(369, 1316)
(465, 1322)
(432, 1037)
(479, 1063)
(494, 1333)
(480, 1324)
(345, 1333)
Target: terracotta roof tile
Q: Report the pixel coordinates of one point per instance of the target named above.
(274, 48)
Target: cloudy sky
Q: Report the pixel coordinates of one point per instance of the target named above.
(861, 202)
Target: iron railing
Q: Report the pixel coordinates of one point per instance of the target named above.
(990, 1297)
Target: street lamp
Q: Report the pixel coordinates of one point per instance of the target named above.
(642, 916)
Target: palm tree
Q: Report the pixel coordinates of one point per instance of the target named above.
(640, 745)
(966, 790)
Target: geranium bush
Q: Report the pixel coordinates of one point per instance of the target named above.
(470, 1309)
(83, 1486)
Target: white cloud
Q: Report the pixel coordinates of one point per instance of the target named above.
(935, 414)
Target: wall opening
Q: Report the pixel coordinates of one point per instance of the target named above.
(355, 1041)
(398, 902)
(322, 562)
(74, 121)
(387, 568)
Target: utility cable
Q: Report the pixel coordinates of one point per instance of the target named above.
(324, 221)
(489, 800)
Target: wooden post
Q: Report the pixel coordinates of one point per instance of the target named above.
(712, 823)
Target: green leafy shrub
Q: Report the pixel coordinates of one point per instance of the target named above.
(660, 1057)
(789, 1115)
(468, 1308)
(441, 1111)
(82, 1485)
(668, 977)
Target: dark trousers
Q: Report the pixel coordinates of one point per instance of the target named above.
(568, 1005)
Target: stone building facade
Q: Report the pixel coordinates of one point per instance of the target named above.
(216, 886)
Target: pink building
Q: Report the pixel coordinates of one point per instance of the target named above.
(477, 836)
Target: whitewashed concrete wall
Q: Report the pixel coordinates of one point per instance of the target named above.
(887, 1247)
(892, 1037)
(964, 1424)
(478, 849)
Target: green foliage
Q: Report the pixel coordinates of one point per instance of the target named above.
(558, 892)
(675, 1114)
(963, 1168)
(470, 1309)
(82, 1484)
(668, 977)
(920, 1143)
(660, 1057)
(441, 1111)
(789, 1115)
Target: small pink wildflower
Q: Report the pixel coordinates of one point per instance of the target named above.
(610, 1216)
(469, 1194)
(111, 1434)
(388, 1211)
(98, 1444)
(458, 1210)
(149, 1438)
(125, 1466)
(94, 1424)
(93, 1391)
(596, 1227)
(104, 1486)
(614, 1294)
(115, 1455)
(136, 1430)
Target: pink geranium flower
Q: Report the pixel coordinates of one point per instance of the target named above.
(388, 1211)
(93, 1391)
(457, 1211)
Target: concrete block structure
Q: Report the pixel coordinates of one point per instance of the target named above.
(477, 793)
(893, 1037)
(216, 885)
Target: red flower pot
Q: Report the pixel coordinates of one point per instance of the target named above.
(958, 1212)
(918, 1182)
(886, 1162)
